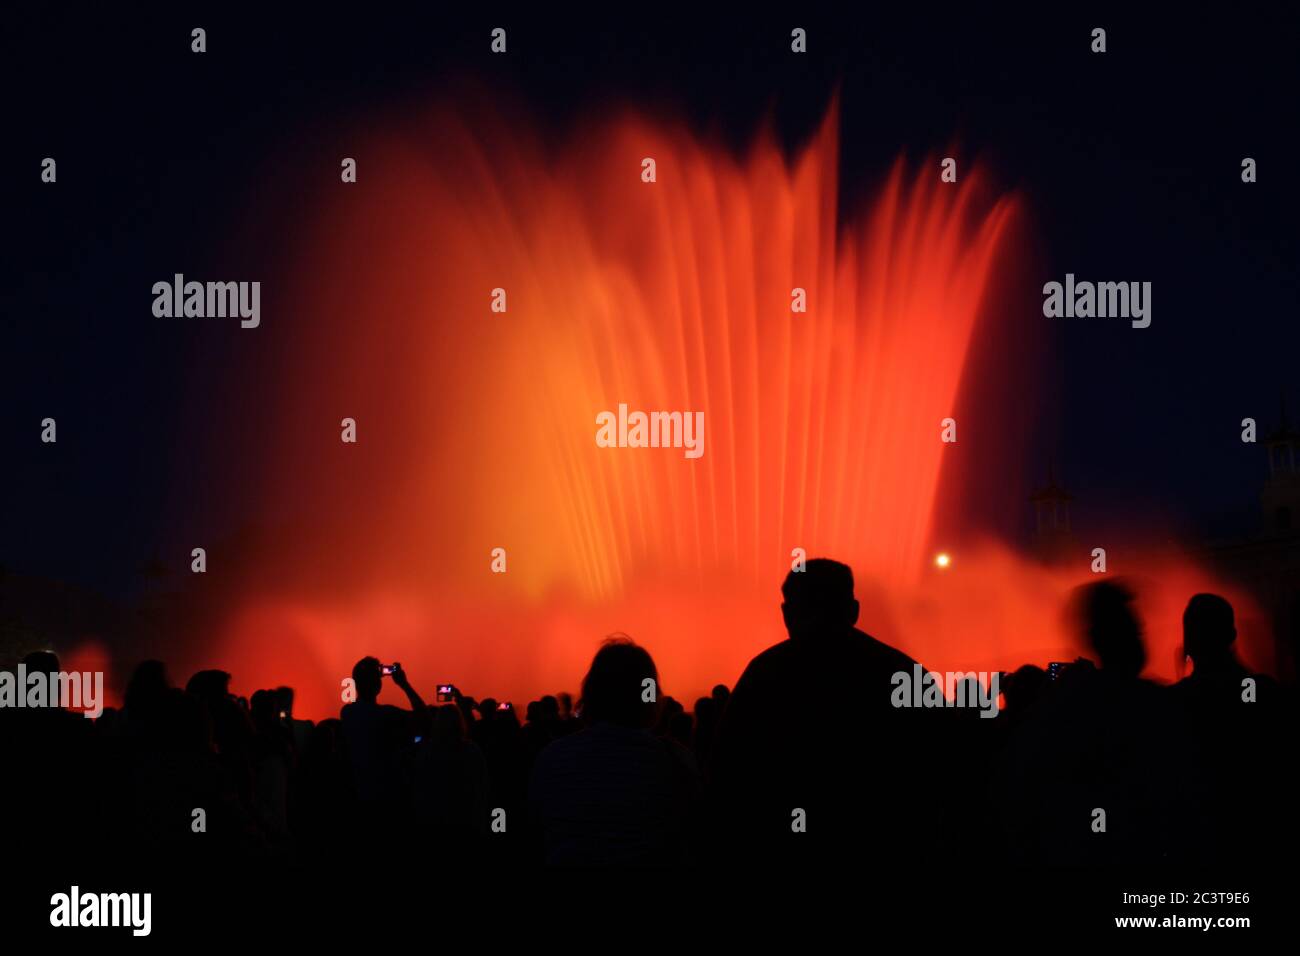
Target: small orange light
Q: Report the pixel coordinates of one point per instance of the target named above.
(942, 559)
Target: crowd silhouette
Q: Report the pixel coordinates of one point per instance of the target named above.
(805, 761)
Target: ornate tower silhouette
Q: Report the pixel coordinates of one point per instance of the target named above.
(1053, 538)
(1281, 494)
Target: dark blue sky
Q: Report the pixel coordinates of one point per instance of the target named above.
(1128, 163)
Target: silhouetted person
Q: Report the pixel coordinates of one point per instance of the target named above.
(44, 749)
(173, 768)
(669, 709)
(1023, 689)
(380, 741)
(564, 701)
(450, 792)
(328, 802)
(614, 793)
(299, 730)
(1111, 625)
(851, 773)
(272, 763)
(468, 706)
(1209, 633)
(1102, 751)
(144, 696)
(1239, 734)
(232, 727)
(538, 731)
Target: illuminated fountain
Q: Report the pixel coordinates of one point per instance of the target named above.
(476, 428)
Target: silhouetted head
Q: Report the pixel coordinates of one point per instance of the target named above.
(467, 707)
(721, 693)
(147, 686)
(615, 685)
(1023, 687)
(550, 707)
(448, 726)
(284, 696)
(209, 686)
(44, 662)
(669, 708)
(819, 600)
(41, 662)
(1111, 626)
(368, 678)
(1208, 628)
(265, 708)
(565, 701)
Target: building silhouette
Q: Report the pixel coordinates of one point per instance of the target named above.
(1053, 540)
(1265, 561)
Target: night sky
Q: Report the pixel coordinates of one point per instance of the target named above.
(1128, 163)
